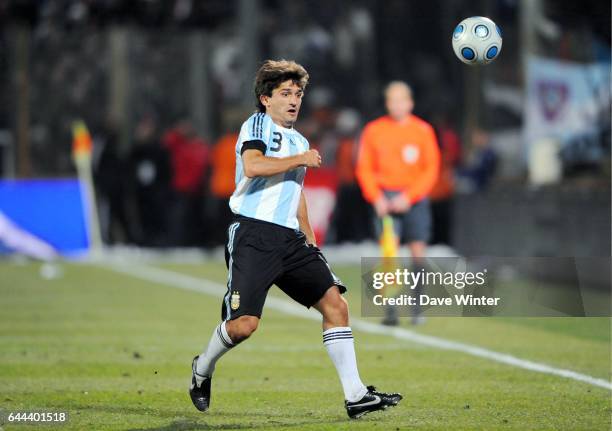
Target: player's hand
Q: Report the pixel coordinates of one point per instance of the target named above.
(399, 204)
(312, 159)
(382, 207)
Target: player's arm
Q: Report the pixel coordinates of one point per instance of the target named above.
(255, 164)
(302, 216)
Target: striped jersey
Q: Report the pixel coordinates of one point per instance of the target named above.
(275, 198)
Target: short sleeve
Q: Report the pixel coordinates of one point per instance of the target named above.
(254, 133)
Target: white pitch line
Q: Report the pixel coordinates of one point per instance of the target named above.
(183, 281)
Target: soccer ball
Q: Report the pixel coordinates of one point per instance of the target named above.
(477, 40)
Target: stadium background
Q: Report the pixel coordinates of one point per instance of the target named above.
(162, 87)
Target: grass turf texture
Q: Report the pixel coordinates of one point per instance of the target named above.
(115, 352)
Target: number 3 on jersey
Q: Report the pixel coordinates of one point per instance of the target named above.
(278, 140)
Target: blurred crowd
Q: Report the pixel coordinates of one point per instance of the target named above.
(73, 61)
(172, 188)
(163, 176)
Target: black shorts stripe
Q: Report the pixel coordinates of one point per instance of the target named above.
(231, 233)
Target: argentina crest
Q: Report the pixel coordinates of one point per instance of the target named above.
(235, 300)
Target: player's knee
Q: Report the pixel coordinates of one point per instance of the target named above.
(243, 327)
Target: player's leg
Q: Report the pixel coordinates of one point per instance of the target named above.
(311, 282)
(225, 336)
(338, 340)
(251, 272)
(340, 345)
(333, 308)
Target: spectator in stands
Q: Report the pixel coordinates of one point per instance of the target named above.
(352, 214)
(480, 163)
(189, 157)
(444, 188)
(149, 173)
(109, 179)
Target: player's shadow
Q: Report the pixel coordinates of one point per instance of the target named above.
(190, 424)
(182, 423)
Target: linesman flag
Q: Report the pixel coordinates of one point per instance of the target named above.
(389, 243)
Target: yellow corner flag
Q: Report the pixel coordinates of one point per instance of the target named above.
(389, 247)
(82, 146)
(82, 143)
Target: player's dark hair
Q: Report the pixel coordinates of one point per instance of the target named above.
(273, 73)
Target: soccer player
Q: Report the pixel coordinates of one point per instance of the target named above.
(397, 167)
(271, 241)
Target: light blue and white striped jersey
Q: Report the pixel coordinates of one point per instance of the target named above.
(275, 198)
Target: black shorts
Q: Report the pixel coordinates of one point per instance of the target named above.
(259, 254)
(413, 225)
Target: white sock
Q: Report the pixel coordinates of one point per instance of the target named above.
(219, 344)
(341, 348)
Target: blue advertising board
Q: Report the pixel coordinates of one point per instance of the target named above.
(50, 209)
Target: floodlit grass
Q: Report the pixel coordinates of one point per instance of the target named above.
(115, 352)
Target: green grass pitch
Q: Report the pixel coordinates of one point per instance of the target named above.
(115, 352)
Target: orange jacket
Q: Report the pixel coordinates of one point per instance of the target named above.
(222, 180)
(398, 156)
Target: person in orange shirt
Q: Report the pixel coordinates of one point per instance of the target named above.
(222, 185)
(397, 167)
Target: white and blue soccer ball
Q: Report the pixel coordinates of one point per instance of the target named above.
(477, 40)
